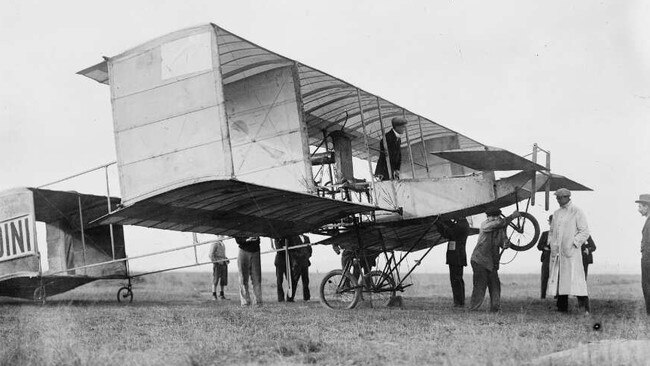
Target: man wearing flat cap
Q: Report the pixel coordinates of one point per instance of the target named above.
(569, 230)
(392, 140)
(485, 259)
(644, 207)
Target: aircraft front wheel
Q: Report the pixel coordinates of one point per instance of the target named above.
(339, 290)
(124, 293)
(522, 232)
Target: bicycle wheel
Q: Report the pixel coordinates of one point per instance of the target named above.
(124, 294)
(381, 287)
(339, 290)
(522, 232)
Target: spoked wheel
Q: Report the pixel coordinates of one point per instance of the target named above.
(522, 232)
(124, 294)
(39, 294)
(381, 288)
(339, 290)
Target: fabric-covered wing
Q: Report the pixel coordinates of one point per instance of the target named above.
(331, 104)
(234, 208)
(560, 181)
(490, 159)
(408, 235)
(52, 205)
(24, 285)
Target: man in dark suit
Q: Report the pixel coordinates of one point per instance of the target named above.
(457, 233)
(393, 140)
(281, 263)
(300, 269)
(545, 248)
(644, 209)
(587, 248)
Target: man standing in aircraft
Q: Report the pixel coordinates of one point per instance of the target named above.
(485, 259)
(219, 267)
(249, 265)
(587, 249)
(393, 140)
(543, 246)
(644, 210)
(569, 231)
(457, 233)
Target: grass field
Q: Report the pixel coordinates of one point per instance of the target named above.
(172, 320)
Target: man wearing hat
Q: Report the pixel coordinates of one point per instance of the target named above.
(569, 230)
(485, 259)
(393, 141)
(644, 208)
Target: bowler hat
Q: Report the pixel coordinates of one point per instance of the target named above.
(398, 121)
(644, 198)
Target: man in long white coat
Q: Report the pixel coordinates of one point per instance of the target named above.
(569, 230)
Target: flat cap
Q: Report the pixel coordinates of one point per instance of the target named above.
(644, 198)
(563, 192)
(493, 211)
(398, 121)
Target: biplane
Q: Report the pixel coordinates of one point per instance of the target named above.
(215, 134)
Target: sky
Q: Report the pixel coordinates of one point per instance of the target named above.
(573, 77)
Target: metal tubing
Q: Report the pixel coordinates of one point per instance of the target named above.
(408, 144)
(424, 149)
(195, 241)
(83, 235)
(533, 182)
(383, 139)
(365, 141)
(287, 262)
(108, 201)
(548, 181)
(76, 175)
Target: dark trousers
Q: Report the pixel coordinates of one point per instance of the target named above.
(457, 284)
(563, 303)
(586, 267)
(280, 275)
(300, 273)
(482, 279)
(645, 281)
(545, 274)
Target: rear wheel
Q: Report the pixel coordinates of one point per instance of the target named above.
(339, 290)
(382, 288)
(522, 232)
(124, 294)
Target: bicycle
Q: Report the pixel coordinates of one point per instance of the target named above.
(340, 288)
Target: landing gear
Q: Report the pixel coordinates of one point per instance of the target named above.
(339, 290)
(522, 232)
(125, 293)
(381, 288)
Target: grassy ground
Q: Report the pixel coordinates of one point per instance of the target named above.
(173, 321)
